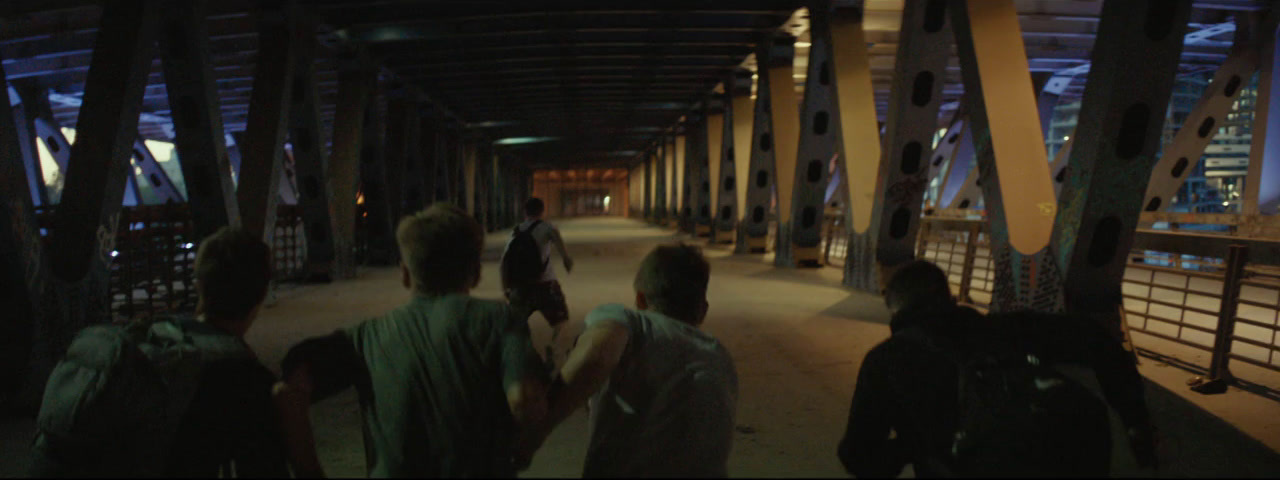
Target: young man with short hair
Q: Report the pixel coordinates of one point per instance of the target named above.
(445, 381)
(543, 294)
(231, 425)
(662, 392)
(923, 384)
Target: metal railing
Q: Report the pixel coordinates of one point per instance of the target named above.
(152, 263)
(1211, 314)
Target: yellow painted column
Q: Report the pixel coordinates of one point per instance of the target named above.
(859, 127)
(743, 119)
(715, 142)
(679, 175)
(786, 135)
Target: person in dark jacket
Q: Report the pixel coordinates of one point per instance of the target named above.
(905, 405)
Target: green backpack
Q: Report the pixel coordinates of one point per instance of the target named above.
(113, 405)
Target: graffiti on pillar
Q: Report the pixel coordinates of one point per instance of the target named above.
(906, 190)
(107, 238)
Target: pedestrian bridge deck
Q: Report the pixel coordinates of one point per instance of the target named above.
(797, 337)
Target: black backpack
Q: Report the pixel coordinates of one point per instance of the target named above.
(1020, 417)
(113, 405)
(522, 263)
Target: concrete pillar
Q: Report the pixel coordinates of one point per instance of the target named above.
(469, 177)
(647, 185)
(800, 238)
(1135, 58)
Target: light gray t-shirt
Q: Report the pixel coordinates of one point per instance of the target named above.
(668, 410)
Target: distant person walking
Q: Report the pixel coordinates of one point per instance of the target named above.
(968, 395)
(446, 381)
(528, 278)
(662, 392)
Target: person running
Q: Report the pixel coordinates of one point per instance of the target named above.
(183, 397)
(536, 289)
(968, 395)
(662, 392)
(445, 381)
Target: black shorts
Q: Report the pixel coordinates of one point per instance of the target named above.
(545, 297)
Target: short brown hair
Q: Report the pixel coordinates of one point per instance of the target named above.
(232, 270)
(441, 246)
(673, 279)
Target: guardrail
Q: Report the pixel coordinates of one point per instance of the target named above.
(152, 265)
(1209, 302)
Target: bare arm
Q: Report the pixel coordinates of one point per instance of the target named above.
(589, 365)
(293, 406)
(564, 254)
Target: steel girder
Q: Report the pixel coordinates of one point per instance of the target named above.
(800, 234)
(199, 136)
(1181, 157)
(735, 155)
(943, 154)
(1117, 137)
(87, 219)
(260, 162)
(374, 182)
(355, 86)
(1264, 150)
(311, 167)
(860, 142)
(753, 232)
(912, 117)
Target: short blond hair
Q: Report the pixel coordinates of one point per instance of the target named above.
(441, 246)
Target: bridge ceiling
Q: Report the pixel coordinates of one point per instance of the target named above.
(601, 78)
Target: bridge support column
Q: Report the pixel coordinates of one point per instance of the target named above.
(197, 119)
(777, 54)
(311, 166)
(734, 156)
(355, 85)
(374, 181)
(661, 181)
(712, 150)
(87, 219)
(1261, 190)
(1117, 136)
(914, 99)
(820, 142)
(260, 154)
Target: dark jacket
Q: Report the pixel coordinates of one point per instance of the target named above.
(913, 390)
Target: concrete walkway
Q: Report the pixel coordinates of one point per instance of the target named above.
(797, 337)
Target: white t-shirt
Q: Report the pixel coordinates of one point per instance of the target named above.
(543, 234)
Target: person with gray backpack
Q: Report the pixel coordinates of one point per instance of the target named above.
(179, 397)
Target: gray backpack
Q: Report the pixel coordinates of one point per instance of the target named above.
(113, 405)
